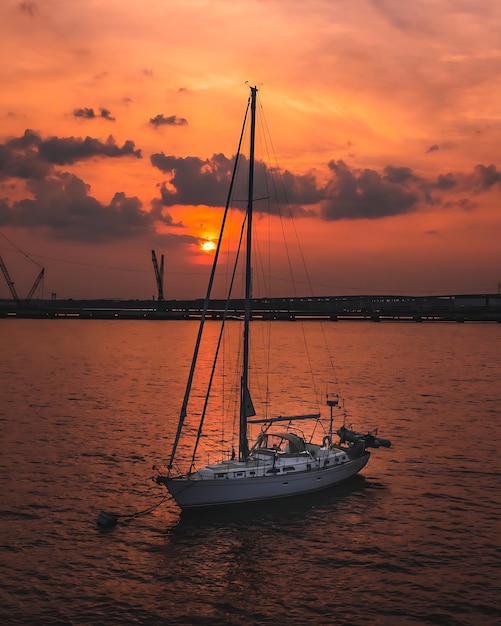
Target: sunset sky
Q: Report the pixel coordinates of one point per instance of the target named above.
(117, 121)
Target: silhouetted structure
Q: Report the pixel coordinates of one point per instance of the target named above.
(458, 308)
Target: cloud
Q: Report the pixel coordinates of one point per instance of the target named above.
(399, 175)
(485, 177)
(445, 181)
(171, 120)
(61, 206)
(28, 8)
(19, 158)
(432, 148)
(106, 114)
(159, 213)
(67, 150)
(89, 114)
(365, 194)
(194, 181)
(85, 112)
(302, 188)
(60, 203)
(482, 179)
(206, 182)
(349, 194)
(30, 156)
(465, 204)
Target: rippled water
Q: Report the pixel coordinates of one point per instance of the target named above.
(88, 406)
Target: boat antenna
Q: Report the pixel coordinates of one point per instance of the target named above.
(331, 403)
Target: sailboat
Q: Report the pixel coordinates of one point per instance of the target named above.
(282, 461)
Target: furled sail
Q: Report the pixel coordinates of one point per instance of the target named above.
(248, 405)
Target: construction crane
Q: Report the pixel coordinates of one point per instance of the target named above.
(12, 287)
(159, 274)
(35, 285)
(9, 281)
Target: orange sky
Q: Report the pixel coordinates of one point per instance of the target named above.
(390, 109)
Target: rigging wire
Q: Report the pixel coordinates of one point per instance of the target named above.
(184, 407)
(66, 261)
(31, 257)
(25, 254)
(272, 158)
(218, 347)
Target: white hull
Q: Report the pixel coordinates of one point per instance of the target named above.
(190, 492)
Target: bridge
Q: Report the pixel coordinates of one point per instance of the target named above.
(378, 308)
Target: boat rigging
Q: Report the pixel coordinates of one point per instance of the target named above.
(280, 463)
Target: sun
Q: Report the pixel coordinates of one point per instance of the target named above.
(207, 245)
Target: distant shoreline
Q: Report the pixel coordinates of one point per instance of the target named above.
(456, 308)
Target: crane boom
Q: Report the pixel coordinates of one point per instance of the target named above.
(159, 274)
(9, 281)
(35, 285)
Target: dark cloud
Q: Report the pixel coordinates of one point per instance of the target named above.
(349, 194)
(398, 175)
(159, 212)
(89, 114)
(195, 182)
(465, 204)
(302, 189)
(30, 139)
(432, 148)
(59, 203)
(106, 114)
(85, 112)
(446, 181)
(171, 120)
(365, 194)
(63, 208)
(67, 150)
(28, 8)
(19, 158)
(30, 156)
(482, 179)
(485, 177)
(26, 165)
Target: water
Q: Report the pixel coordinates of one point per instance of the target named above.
(88, 406)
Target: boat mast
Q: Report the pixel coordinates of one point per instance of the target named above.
(244, 390)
